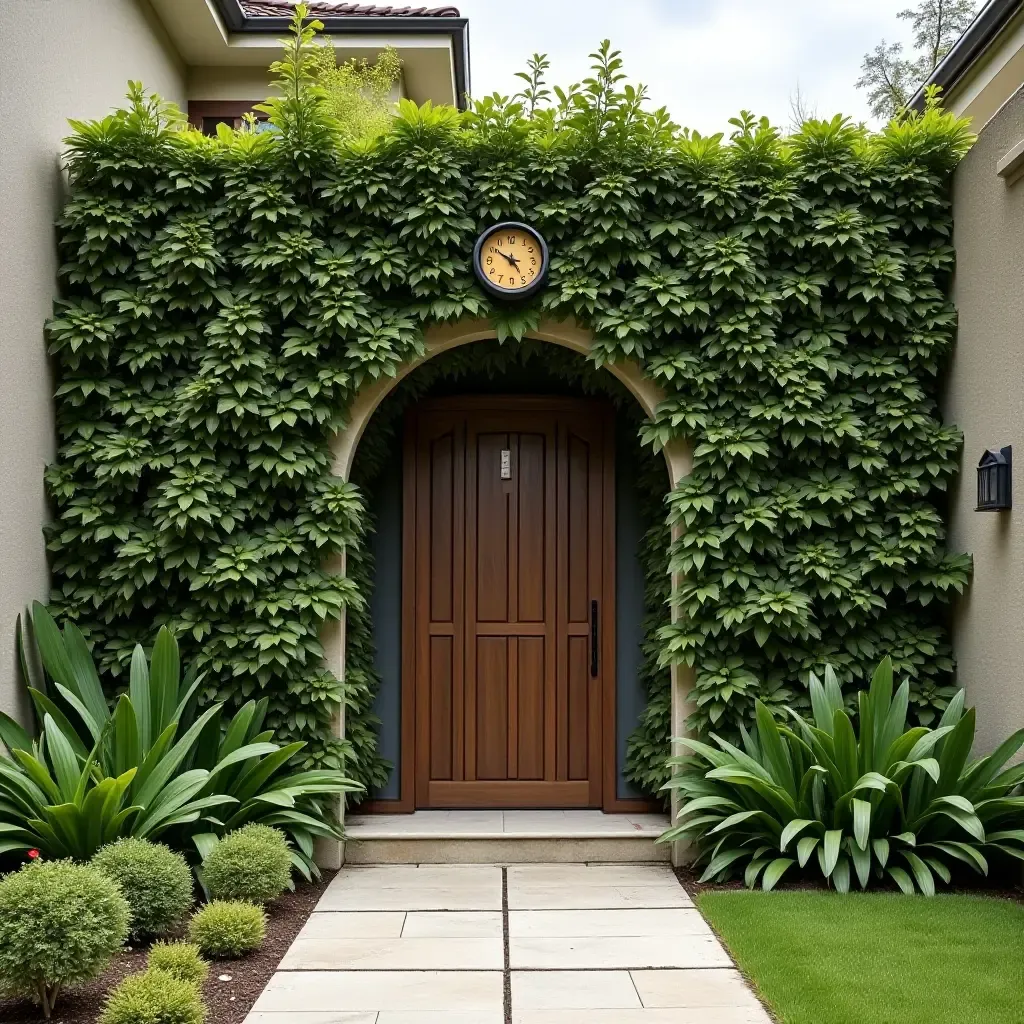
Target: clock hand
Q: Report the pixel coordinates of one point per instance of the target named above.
(511, 260)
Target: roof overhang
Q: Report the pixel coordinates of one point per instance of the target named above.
(218, 34)
(970, 47)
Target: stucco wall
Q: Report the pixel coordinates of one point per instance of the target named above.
(985, 397)
(61, 59)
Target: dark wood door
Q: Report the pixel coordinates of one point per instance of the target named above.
(510, 562)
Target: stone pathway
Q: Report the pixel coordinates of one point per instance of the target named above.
(526, 944)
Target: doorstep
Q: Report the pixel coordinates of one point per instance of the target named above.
(505, 837)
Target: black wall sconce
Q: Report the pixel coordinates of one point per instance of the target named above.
(994, 480)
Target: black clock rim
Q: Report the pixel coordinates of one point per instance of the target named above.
(501, 293)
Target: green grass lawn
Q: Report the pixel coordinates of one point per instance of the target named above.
(821, 958)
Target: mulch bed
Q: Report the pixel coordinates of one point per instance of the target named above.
(996, 887)
(228, 1001)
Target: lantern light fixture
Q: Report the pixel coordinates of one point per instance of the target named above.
(994, 480)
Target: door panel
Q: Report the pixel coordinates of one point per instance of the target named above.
(512, 540)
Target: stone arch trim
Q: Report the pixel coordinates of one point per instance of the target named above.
(441, 339)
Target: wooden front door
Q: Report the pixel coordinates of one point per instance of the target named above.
(508, 564)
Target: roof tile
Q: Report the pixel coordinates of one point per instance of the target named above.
(323, 8)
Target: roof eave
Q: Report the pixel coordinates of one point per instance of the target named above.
(457, 29)
(991, 20)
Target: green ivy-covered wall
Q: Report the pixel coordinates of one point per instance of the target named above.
(226, 301)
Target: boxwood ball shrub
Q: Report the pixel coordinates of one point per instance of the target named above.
(227, 929)
(226, 299)
(251, 866)
(182, 959)
(264, 833)
(154, 997)
(156, 882)
(60, 925)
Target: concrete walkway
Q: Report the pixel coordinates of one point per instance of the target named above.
(526, 944)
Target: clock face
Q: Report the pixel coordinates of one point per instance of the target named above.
(511, 260)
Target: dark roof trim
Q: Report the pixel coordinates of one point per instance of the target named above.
(457, 29)
(980, 34)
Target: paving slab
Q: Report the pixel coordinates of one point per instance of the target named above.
(412, 898)
(343, 925)
(442, 1017)
(696, 989)
(467, 992)
(592, 874)
(453, 925)
(530, 896)
(402, 954)
(608, 952)
(396, 876)
(560, 923)
(715, 1015)
(328, 1017)
(573, 990)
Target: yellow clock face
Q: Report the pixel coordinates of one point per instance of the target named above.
(511, 259)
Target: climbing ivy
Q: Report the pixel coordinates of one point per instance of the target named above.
(226, 298)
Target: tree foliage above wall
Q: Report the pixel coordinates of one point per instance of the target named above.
(226, 298)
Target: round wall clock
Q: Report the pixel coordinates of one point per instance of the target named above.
(511, 260)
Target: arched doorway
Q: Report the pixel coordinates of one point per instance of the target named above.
(512, 706)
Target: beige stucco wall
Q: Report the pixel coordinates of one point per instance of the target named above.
(985, 397)
(61, 59)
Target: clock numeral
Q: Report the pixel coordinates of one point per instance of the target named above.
(492, 270)
(529, 248)
(533, 261)
(490, 260)
(511, 239)
(522, 280)
(531, 271)
(501, 277)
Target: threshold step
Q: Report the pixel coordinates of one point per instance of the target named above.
(505, 837)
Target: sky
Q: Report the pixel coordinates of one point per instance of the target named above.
(705, 60)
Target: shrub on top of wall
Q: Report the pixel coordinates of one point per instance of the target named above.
(226, 299)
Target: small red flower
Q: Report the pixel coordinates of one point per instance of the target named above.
(33, 854)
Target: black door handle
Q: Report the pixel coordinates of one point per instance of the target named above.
(593, 639)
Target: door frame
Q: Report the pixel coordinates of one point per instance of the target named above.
(406, 802)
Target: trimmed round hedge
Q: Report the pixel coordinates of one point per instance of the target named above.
(252, 864)
(154, 997)
(156, 882)
(60, 925)
(181, 959)
(224, 929)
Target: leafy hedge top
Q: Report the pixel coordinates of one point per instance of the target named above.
(227, 297)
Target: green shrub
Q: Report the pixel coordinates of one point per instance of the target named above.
(155, 752)
(60, 925)
(181, 959)
(249, 867)
(156, 882)
(880, 801)
(223, 929)
(154, 997)
(264, 833)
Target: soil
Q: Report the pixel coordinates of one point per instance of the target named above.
(228, 1001)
